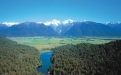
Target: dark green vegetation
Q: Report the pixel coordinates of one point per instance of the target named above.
(17, 59)
(87, 59)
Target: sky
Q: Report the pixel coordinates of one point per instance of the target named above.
(45, 10)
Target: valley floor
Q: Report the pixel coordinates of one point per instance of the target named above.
(44, 44)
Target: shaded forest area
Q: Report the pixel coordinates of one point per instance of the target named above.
(87, 59)
(17, 59)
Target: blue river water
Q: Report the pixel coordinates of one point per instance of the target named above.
(45, 58)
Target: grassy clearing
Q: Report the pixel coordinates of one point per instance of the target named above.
(46, 43)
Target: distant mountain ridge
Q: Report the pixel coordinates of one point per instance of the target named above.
(28, 29)
(58, 28)
(90, 28)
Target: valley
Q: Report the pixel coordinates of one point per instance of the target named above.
(47, 38)
(60, 37)
(44, 44)
(65, 51)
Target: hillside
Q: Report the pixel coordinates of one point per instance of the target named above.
(87, 59)
(91, 29)
(17, 59)
(28, 29)
(115, 26)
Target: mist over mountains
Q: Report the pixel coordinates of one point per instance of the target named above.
(57, 28)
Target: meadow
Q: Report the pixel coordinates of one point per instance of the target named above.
(46, 43)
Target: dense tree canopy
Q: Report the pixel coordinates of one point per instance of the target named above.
(87, 59)
(17, 59)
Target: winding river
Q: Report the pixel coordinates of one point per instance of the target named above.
(45, 58)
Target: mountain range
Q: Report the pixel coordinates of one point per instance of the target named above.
(58, 28)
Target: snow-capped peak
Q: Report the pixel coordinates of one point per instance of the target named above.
(109, 23)
(85, 21)
(113, 22)
(119, 22)
(10, 23)
(57, 22)
(67, 21)
(39, 22)
(54, 22)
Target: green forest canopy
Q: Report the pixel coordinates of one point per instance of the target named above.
(17, 59)
(80, 59)
(87, 59)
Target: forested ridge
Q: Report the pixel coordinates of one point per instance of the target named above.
(87, 59)
(17, 59)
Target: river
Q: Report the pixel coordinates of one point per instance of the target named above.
(45, 58)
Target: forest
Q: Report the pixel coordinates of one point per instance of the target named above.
(87, 59)
(17, 59)
(80, 59)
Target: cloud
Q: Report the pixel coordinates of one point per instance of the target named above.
(10, 23)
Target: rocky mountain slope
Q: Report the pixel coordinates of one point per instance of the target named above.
(64, 28)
